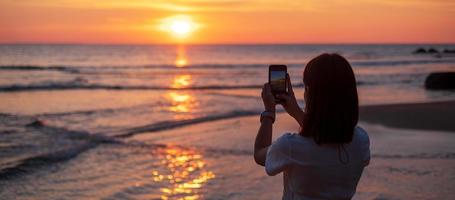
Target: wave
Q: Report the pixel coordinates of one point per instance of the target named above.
(39, 68)
(75, 143)
(81, 84)
(84, 141)
(100, 69)
(165, 125)
(32, 163)
(400, 62)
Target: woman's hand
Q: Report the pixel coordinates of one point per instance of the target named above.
(290, 103)
(268, 98)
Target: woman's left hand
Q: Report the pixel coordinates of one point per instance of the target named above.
(290, 102)
(268, 98)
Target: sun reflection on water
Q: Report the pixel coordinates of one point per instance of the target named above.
(183, 103)
(186, 174)
(181, 81)
(181, 60)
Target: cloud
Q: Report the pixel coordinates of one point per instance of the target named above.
(415, 4)
(172, 5)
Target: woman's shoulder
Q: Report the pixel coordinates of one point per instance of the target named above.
(290, 136)
(291, 142)
(361, 134)
(361, 137)
(284, 139)
(291, 139)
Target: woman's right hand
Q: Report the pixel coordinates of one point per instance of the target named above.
(290, 103)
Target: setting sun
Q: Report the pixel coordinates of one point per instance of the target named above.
(180, 26)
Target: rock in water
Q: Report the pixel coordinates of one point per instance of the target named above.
(440, 81)
(37, 123)
(420, 50)
(449, 51)
(431, 50)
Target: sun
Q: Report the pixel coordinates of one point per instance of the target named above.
(180, 26)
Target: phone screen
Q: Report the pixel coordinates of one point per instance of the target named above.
(278, 81)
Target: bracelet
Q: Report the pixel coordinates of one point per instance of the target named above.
(268, 114)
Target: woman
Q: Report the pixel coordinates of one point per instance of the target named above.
(326, 158)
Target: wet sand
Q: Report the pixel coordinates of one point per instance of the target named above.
(406, 163)
(214, 160)
(427, 116)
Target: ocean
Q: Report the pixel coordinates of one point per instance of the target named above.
(69, 113)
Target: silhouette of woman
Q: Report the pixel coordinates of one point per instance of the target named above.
(326, 158)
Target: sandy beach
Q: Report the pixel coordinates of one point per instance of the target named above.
(408, 159)
(427, 116)
(213, 160)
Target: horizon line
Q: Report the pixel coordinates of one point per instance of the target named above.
(226, 44)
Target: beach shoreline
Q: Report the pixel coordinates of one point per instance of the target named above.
(399, 153)
(421, 116)
(216, 156)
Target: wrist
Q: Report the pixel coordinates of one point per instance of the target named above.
(298, 116)
(267, 119)
(267, 115)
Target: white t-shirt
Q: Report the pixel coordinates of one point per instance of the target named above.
(316, 172)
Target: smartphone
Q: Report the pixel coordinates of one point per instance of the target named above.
(277, 80)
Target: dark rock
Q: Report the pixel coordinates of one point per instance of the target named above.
(440, 81)
(36, 123)
(420, 50)
(431, 50)
(449, 51)
(81, 80)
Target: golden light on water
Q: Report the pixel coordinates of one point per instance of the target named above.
(181, 60)
(181, 81)
(179, 97)
(183, 103)
(186, 174)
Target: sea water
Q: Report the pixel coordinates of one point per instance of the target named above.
(68, 112)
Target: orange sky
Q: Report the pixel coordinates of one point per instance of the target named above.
(229, 21)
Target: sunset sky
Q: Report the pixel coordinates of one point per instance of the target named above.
(227, 21)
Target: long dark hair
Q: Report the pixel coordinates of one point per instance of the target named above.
(331, 100)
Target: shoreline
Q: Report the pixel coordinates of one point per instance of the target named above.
(428, 118)
(437, 116)
(398, 154)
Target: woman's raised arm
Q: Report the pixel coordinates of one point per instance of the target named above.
(264, 136)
